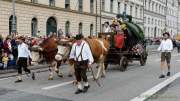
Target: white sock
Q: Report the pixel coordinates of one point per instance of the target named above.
(163, 73)
(86, 84)
(79, 86)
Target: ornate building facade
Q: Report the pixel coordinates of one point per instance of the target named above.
(46, 16)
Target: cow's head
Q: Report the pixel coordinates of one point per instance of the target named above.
(64, 48)
(49, 43)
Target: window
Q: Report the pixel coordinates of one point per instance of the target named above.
(67, 4)
(91, 30)
(34, 1)
(145, 20)
(51, 25)
(131, 8)
(148, 20)
(80, 28)
(136, 12)
(152, 6)
(34, 27)
(11, 29)
(141, 13)
(156, 8)
(125, 7)
(103, 5)
(80, 5)
(111, 6)
(119, 7)
(51, 2)
(67, 28)
(91, 6)
(149, 5)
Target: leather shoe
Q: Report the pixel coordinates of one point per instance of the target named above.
(168, 73)
(18, 81)
(78, 91)
(162, 76)
(86, 88)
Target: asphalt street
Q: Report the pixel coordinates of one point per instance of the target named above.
(170, 93)
(117, 86)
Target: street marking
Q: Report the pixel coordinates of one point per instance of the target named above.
(178, 60)
(4, 79)
(144, 96)
(61, 84)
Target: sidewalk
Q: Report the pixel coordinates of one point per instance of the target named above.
(13, 72)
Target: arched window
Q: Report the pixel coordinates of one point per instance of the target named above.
(80, 28)
(67, 28)
(11, 29)
(34, 29)
(51, 25)
(91, 30)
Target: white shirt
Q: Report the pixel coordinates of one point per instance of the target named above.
(86, 52)
(166, 46)
(108, 29)
(23, 51)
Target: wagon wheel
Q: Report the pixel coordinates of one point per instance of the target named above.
(143, 59)
(123, 64)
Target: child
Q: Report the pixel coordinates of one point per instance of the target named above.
(5, 60)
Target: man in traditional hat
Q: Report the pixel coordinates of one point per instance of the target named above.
(83, 58)
(23, 57)
(166, 48)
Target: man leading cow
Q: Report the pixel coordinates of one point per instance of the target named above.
(81, 54)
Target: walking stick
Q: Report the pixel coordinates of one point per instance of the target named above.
(97, 82)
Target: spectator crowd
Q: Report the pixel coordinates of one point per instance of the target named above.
(9, 49)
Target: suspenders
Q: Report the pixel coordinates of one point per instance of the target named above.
(80, 54)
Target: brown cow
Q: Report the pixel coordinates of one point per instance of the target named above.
(49, 49)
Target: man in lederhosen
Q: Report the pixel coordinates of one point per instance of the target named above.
(23, 57)
(83, 58)
(166, 48)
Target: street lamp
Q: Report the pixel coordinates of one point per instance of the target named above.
(13, 30)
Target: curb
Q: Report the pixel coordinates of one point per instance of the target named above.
(14, 73)
(146, 95)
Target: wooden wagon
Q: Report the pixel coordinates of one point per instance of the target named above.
(124, 56)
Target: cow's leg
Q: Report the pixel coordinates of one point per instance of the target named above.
(60, 73)
(57, 68)
(71, 70)
(101, 68)
(50, 73)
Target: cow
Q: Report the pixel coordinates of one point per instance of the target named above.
(48, 48)
(99, 48)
